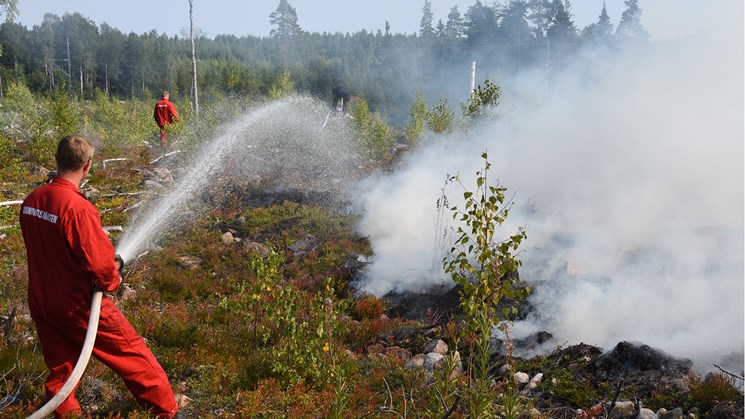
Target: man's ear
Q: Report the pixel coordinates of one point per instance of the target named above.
(87, 165)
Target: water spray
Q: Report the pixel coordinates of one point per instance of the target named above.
(264, 123)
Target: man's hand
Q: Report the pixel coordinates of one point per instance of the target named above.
(119, 263)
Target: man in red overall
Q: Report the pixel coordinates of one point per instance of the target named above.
(68, 255)
(164, 114)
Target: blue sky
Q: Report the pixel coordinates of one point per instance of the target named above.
(663, 18)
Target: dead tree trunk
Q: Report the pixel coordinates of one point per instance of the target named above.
(193, 60)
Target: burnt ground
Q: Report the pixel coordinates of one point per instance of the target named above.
(574, 377)
(581, 376)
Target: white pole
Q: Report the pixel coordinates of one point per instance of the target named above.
(473, 76)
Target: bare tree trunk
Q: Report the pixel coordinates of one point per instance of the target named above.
(193, 59)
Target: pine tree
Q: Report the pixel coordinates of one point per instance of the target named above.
(600, 32)
(630, 27)
(285, 20)
(426, 30)
(480, 24)
(454, 25)
(604, 27)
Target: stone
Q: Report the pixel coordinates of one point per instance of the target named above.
(162, 175)
(183, 400)
(417, 361)
(227, 238)
(521, 377)
(622, 410)
(504, 370)
(397, 352)
(645, 413)
(304, 245)
(252, 246)
(437, 346)
(127, 293)
(458, 369)
(533, 383)
(38, 171)
(91, 194)
(433, 361)
(672, 414)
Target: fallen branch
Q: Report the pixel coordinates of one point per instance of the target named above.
(165, 155)
(103, 163)
(9, 203)
(115, 195)
(739, 377)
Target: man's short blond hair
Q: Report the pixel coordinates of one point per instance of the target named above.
(73, 151)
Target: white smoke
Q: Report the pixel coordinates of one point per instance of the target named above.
(629, 182)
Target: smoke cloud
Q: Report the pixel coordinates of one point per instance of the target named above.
(628, 174)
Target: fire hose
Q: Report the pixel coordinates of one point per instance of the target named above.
(85, 353)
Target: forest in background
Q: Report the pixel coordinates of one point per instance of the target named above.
(73, 53)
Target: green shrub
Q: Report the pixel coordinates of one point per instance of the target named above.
(482, 100)
(374, 134)
(715, 388)
(483, 266)
(418, 114)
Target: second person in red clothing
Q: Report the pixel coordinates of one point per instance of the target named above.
(164, 114)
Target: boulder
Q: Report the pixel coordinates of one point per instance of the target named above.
(227, 238)
(304, 245)
(437, 345)
(521, 378)
(622, 410)
(417, 361)
(252, 246)
(433, 361)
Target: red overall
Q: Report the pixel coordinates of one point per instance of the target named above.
(68, 253)
(164, 114)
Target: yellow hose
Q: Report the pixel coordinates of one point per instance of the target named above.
(85, 356)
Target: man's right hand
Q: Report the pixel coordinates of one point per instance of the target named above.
(118, 262)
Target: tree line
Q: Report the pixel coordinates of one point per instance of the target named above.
(73, 54)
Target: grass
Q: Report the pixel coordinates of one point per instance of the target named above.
(246, 332)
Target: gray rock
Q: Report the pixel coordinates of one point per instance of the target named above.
(162, 175)
(433, 360)
(437, 346)
(533, 383)
(304, 245)
(521, 377)
(417, 361)
(672, 414)
(227, 238)
(622, 410)
(645, 413)
(252, 246)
